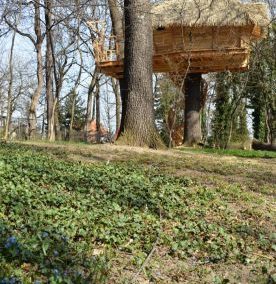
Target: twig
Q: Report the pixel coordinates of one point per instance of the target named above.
(264, 256)
(150, 254)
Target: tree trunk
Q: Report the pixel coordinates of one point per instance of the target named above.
(34, 100)
(73, 107)
(43, 128)
(116, 90)
(90, 100)
(94, 107)
(139, 127)
(192, 129)
(273, 141)
(74, 98)
(118, 30)
(90, 111)
(98, 112)
(49, 75)
(117, 25)
(9, 104)
(124, 99)
(56, 111)
(39, 72)
(58, 133)
(118, 109)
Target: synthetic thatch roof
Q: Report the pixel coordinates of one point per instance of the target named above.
(209, 13)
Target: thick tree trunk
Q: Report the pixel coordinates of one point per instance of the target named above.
(139, 126)
(193, 103)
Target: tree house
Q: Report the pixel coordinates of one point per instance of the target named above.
(193, 36)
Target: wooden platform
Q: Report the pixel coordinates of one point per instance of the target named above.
(201, 61)
(183, 50)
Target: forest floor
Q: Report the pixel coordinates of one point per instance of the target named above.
(140, 216)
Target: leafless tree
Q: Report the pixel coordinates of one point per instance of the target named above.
(37, 40)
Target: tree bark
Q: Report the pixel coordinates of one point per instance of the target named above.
(139, 127)
(116, 90)
(90, 100)
(98, 112)
(73, 107)
(117, 25)
(90, 111)
(124, 99)
(118, 30)
(94, 107)
(49, 74)
(9, 99)
(39, 72)
(58, 134)
(193, 100)
(74, 98)
(34, 100)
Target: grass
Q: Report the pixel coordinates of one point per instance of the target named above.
(234, 152)
(73, 213)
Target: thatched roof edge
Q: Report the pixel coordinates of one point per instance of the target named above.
(198, 13)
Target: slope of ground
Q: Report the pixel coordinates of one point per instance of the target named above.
(112, 214)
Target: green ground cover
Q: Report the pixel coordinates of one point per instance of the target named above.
(235, 152)
(91, 214)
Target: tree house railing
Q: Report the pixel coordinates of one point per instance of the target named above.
(106, 49)
(110, 49)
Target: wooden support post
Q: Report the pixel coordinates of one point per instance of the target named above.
(192, 127)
